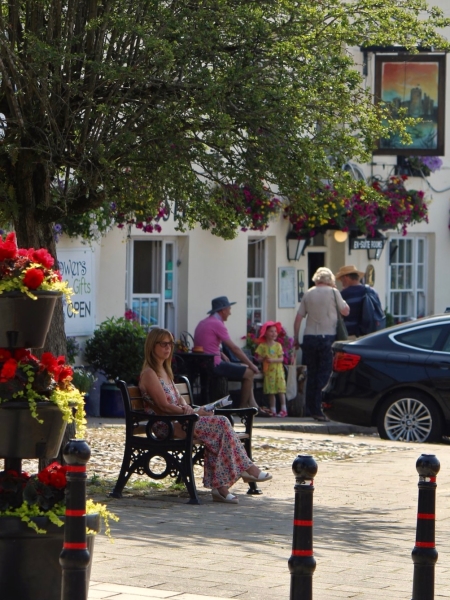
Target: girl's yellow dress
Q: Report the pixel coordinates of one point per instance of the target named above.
(274, 380)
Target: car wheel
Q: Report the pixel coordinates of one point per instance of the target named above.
(409, 417)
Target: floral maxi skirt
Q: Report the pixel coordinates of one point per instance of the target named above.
(225, 455)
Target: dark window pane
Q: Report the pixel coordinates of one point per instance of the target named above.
(147, 267)
(420, 338)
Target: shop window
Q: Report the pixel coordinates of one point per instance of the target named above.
(152, 294)
(256, 268)
(407, 284)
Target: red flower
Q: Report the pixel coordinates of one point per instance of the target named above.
(8, 248)
(49, 362)
(64, 373)
(8, 370)
(23, 252)
(44, 257)
(22, 354)
(54, 474)
(4, 354)
(33, 278)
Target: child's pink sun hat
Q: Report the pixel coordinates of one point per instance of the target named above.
(262, 331)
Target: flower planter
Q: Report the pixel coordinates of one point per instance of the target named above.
(27, 320)
(22, 436)
(111, 403)
(30, 568)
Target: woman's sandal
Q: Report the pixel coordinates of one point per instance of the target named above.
(229, 499)
(282, 414)
(263, 476)
(264, 412)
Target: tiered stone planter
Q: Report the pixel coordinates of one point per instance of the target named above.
(29, 562)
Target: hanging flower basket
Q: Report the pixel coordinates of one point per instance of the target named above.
(252, 208)
(387, 205)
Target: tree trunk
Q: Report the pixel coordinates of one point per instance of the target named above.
(33, 231)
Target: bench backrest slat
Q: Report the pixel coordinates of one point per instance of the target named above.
(135, 398)
(184, 392)
(137, 403)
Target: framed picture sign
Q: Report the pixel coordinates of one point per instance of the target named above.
(286, 287)
(414, 85)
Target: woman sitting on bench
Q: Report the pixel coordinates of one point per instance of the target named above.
(225, 457)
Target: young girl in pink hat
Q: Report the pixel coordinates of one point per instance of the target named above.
(270, 352)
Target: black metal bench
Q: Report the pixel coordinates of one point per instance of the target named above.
(177, 455)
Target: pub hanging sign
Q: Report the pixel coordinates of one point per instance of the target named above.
(367, 244)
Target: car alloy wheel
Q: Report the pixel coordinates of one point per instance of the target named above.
(409, 417)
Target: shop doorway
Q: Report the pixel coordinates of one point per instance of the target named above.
(315, 261)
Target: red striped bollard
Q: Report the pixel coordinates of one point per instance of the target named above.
(302, 563)
(74, 558)
(424, 554)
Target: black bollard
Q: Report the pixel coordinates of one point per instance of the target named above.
(302, 563)
(424, 554)
(74, 558)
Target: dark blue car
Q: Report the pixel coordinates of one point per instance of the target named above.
(397, 379)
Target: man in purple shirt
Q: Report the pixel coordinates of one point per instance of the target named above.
(210, 334)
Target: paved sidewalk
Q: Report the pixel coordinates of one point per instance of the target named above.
(364, 530)
(112, 591)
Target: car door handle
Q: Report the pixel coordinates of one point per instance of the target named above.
(443, 365)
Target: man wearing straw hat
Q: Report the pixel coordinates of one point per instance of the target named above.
(354, 293)
(210, 333)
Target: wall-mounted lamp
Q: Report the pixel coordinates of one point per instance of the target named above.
(295, 247)
(376, 246)
(340, 236)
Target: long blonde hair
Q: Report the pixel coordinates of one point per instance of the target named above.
(154, 336)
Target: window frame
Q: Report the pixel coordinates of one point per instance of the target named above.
(253, 280)
(414, 290)
(163, 301)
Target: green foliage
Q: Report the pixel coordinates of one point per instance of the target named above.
(83, 379)
(108, 119)
(389, 318)
(117, 349)
(73, 349)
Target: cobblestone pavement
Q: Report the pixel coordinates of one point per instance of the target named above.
(271, 449)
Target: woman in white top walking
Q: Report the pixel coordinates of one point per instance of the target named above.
(319, 307)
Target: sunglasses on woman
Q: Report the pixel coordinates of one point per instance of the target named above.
(166, 344)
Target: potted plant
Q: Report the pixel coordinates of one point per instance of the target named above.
(37, 400)
(25, 276)
(423, 166)
(116, 349)
(83, 379)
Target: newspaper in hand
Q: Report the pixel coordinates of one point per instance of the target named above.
(221, 403)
